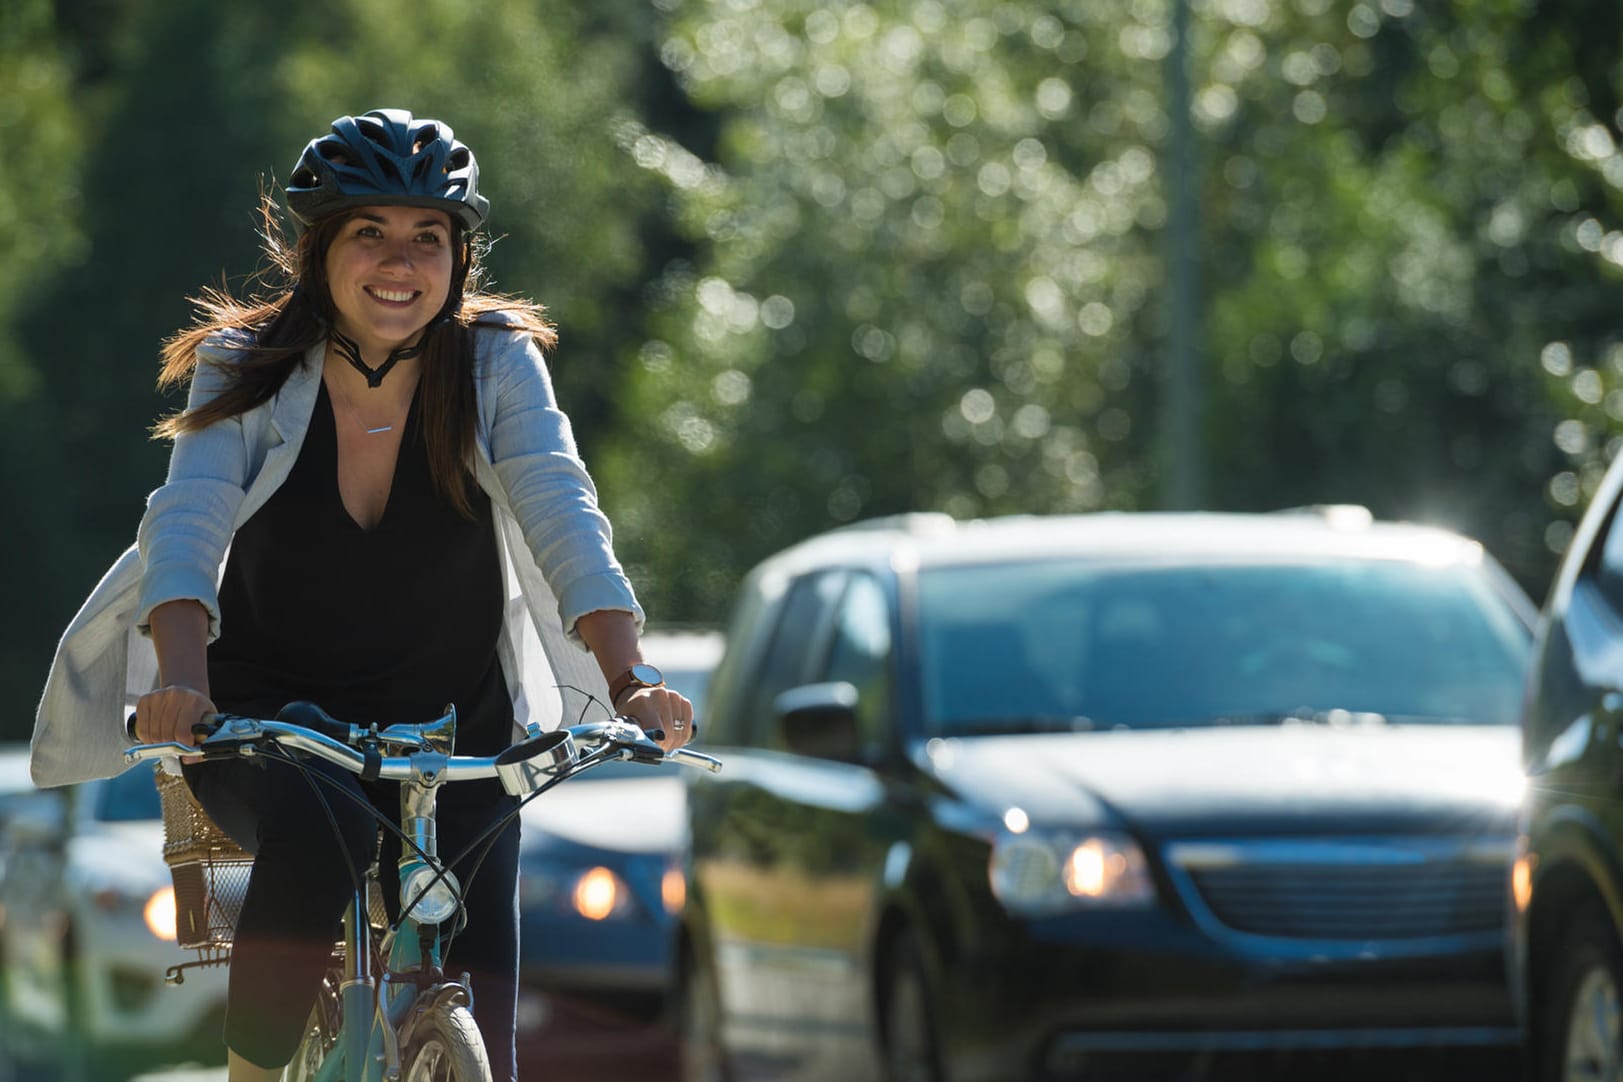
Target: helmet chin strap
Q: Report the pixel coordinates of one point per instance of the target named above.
(351, 349)
(352, 353)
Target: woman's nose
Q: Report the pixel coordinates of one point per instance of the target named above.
(398, 252)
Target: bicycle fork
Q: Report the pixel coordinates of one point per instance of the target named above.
(375, 1049)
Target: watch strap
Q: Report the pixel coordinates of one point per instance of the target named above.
(624, 683)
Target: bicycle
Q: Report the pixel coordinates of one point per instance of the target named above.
(387, 1011)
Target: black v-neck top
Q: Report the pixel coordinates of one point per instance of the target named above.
(376, 626)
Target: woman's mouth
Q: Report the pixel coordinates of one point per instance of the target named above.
(392, 296)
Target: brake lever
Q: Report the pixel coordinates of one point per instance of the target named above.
(226, 736)
(202, 732)
(643, 747)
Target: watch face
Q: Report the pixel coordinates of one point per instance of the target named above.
(644, 673)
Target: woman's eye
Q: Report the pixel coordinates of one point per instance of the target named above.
(429, 238)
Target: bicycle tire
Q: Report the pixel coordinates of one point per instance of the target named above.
(445, 1046)
(320, 1033)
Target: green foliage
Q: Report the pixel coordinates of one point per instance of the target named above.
(1383, 243)
(933, 266)
(39, 198)
(930, 257)
(820, 259)
(40, 203)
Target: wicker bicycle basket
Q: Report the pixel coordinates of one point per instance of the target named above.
(210, 871)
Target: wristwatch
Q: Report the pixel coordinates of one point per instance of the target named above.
(640, 675)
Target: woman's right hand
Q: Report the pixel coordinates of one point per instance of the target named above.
(169, 713)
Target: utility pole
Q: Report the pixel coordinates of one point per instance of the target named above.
(1183, 413)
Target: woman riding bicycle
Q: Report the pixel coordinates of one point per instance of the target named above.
(375, 455)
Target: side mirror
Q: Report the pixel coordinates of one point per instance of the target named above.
(820, 720)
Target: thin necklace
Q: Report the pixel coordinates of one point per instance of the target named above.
(350, 409)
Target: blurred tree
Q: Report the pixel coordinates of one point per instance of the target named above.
(929, 259)
(931, 275)
(39, 195)
(1385, 226)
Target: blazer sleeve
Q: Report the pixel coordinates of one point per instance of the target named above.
(549, 492)
(189, 521)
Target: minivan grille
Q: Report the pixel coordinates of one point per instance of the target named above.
(1348, 899)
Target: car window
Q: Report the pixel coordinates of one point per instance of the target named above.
(690, 683)
(860, 653)
(1078, 644)
(802, 619)
(133, 795)
(1608, 569)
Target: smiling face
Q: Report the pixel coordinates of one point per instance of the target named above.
(389, 273)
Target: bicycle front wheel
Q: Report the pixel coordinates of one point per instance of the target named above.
(446, 1047)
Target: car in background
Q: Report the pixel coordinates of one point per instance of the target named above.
(16, 790)
(89, 936)
(1039, 796)
(600, 877)
(1567, 945)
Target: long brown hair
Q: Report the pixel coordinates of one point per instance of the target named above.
(269, 331)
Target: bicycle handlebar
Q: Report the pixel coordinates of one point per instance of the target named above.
(522, 767)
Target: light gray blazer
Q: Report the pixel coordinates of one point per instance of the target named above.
(555, 546)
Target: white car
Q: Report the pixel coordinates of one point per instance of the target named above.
(89, 935)
(16, 790)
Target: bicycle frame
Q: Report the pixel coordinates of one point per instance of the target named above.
(375, 1009)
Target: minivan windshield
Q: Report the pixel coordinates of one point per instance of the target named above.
(1080, 644)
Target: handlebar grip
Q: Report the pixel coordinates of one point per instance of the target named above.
(201, 730)
(657, 735)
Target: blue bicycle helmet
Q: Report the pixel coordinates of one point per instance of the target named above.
(386, 157)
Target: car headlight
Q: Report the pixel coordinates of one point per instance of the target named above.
(599, 894)
(595, 892)
(159, 913)
(1041, 873)
(673, 890)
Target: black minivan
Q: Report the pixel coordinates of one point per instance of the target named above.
(1042, 796)
(1568, 877)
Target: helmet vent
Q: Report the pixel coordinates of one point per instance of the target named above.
(373, 131)
(457, 160)
(333, 151)
(430, 133)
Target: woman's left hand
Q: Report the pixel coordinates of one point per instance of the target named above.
(663, 710)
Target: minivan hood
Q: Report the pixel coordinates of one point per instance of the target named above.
(1278, 779)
